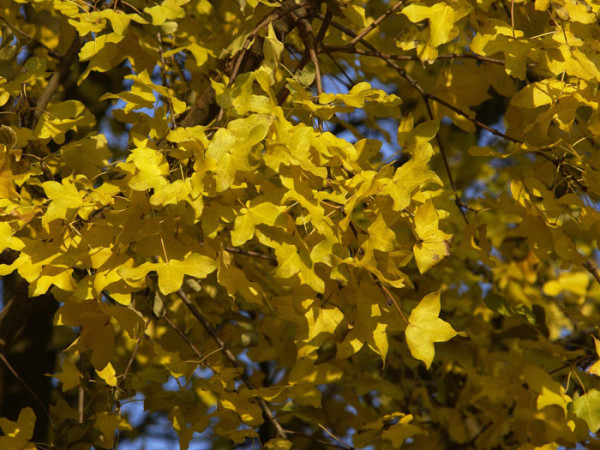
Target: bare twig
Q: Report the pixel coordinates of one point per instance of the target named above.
(57, 77)
(324, 25)
(426, 96)
(457, 199)
(80, 395)
(28, 36)
(375, 23)
(190, 344)
(269, 18)
(319, 440)
(232, 360)
(252, 253)
(26, 386)
(311, 47)
(131, 359)
(415, 85)
(379, 54)
(591, 268)
(163, 78)
(284, 92)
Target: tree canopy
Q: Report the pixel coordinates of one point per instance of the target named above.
(300, 224)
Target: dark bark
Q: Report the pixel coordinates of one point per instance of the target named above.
(26, 343)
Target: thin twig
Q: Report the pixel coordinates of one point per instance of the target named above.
(80, 397)
(426, 96)
(415, 85)
(591, 268)
(457, 199)
(61, 72)
(389, 298)
(375, 23)
(284, 92)
(269, 18)
(163, 78)
(378, 54)
(318, 440)
(333, 435)
(190, 344)
(31, 38)
(26, 386)
(310, 44)
(232, 360)
(252, 253)
(324, 25)
(131, 358)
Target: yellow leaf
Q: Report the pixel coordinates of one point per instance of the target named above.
(119, 20)
(231, 147)
(108, 374)
(433, 244)
(62, 117)
(18, 434)
(235, 281)
(108, 423)
(22, 428)
(321, 321)
(575, 282)
(381, 237)
(171, 193)
(550, 392)
(64, 196)
(167, 10)
(587, 407)
(359, 94)
(414, 174)
(170, 274)
(140, 95)
(265, 213)
(272, 49)
(59, 276)
(5, 235)
(152, 168)
(292, 261)
(401, 431)
(278, 444)
(425, 328)
(70, 376)
(442, 19)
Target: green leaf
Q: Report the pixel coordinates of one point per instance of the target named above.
(587, 407)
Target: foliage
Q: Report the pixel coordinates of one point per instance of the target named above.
(330, 223)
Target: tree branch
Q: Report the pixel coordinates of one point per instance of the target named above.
(375, 23)
(232, 360)
(252, 253)
(26, 386)
(59, 75)
(382, 55)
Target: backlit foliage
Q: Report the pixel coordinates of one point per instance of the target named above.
(308, 223)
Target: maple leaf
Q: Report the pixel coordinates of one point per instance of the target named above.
(70, 376)
(425, 327)
(442, 16)
(17, 434)
(65, 196)
(587, 407)
(433, 244)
